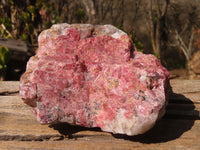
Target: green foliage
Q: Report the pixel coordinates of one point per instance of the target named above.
(80, 14)
(121, 28)
(138, 44)
(7, 22)
(48, 24)
(25, 37)
(4, 58)
(30, 28)
(55, 18)
(26, 19)
(29, 19)
(31, 9)
(24, 16)
(157, 55)
(39, 4)
(173, 63)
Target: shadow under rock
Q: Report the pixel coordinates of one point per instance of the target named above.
(174, 123)
(170, 127)
(68, 130)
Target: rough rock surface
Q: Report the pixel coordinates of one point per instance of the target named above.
(92, 76)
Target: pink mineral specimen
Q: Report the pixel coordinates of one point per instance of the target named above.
(91, 75)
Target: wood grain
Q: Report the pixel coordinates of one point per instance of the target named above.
(179, 129)
(185, 86)
(9, 87)
(17, 45)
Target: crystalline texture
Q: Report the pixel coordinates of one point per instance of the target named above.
(92, 76)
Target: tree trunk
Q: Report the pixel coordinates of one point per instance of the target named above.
(89, 6)
(157, 38)
(157, 28)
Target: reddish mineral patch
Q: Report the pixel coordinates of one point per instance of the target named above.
(92, 76)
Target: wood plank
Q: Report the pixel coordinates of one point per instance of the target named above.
(9, 87)
(183, 111)
(185, 98)
(18, 48)
(185, 86)
(178, 129)
(182, 141)
(17, 45)
(106, 144)
(18, 124)
(16, 119)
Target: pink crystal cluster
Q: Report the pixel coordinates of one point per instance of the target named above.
(92, 76)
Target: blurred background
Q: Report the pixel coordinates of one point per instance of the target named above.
(168, 29)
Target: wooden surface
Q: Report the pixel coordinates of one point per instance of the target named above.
(179, 129)
(17, 45)
(18, 49)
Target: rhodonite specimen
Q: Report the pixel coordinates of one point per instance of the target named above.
(91, 75)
